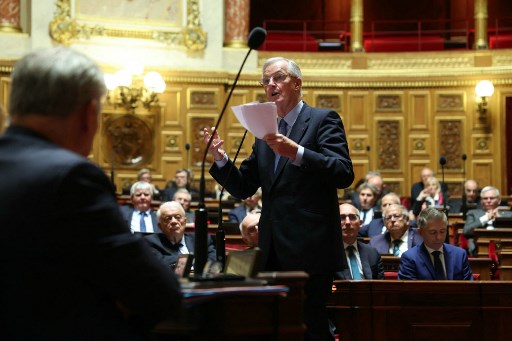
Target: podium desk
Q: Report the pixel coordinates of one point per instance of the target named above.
(241, 311)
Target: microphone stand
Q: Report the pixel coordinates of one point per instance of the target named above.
(256, 38)
(442, 161)
(464, 197)
(220, 235)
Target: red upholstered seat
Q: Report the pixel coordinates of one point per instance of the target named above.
(502, 41)
(392, 275)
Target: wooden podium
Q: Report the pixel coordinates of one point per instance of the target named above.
(241, 311)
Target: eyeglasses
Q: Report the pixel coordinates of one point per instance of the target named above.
(489, 198)
(351, 217)
(168, 219)
(396, 216)
(277, 78)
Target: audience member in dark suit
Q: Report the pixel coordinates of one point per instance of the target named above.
(482, 217)
(368, 199)
(472, 198)
(71, 269)
(376, 226)
(434, 259)
(250, 204)
(141, 194)
(145, 175)
(249, 229)
(299, 171)
(417, 187)
(399, 236)
(369, 264)
(185, 198)
(182, 179)
(173, 240)
(374, 178)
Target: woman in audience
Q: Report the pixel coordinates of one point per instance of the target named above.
(431, 195)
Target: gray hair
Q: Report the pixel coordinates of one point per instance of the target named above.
(405, 212)
(141, 185)
(182, 190)
(293, 68)
(431, 214)
(170, 204)
(368, 185)
(54, 82)
(490, 188)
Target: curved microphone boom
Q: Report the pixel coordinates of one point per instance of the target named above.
(442, 162)
(254, 41)
(187, 147)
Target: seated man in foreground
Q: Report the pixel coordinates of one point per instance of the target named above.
(434, 259)
(174, 241)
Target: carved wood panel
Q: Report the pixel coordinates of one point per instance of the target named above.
(388, 145)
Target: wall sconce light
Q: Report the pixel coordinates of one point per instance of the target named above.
(483, 90)
(127, 87)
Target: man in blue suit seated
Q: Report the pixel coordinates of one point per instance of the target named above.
(400, 235)
(138, 215)
(174, 241)
(361, 261)
(434, 259)
(376, 226)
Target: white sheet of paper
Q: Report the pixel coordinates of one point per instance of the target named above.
(259, 118)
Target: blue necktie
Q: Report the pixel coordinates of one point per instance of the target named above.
(283, 129)
(353, 263)
(142, 222)
(396, 247)
(438, 265)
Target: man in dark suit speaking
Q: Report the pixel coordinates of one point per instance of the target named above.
(299, 170)
(70, 268)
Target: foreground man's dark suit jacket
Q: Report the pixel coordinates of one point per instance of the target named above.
(69, 267)
(300, 217)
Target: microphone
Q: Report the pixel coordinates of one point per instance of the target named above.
(464, 207)
(255, 39)
(187, 147)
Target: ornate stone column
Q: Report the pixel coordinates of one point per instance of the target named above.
(481, 25)
(236, 19)
(10, 16)
(356, 26)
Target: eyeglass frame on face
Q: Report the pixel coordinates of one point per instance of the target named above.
(168, 219)
(351, 217)
(489, 198)
(397, 216)
(278, 78)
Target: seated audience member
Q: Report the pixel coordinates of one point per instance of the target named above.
(71, 269)
(431, 195)
(399, 236)
(182, 179)
(138, 215)
(482, 217)
(434, 259)
(361, 261)
(173, 240)
(216, 193)
(145, 175)
(367, 199)
(472, 198)
(374, 178)
(249, 229)
(184, 198)
(376, 226)
(417, 187)
(250, 204)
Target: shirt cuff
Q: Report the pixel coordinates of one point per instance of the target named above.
(298, 157)
(484, 219)
(222, 163)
